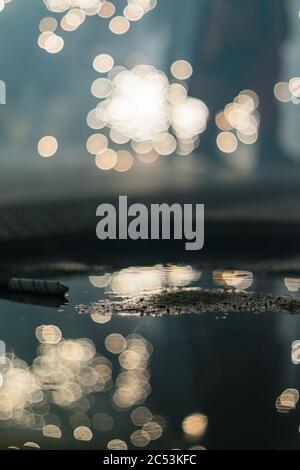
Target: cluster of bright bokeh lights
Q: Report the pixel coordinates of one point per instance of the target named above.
(288, 399)
(238, 122)
(3, 3)
(288, 92)
(69, 373)
(73, 13)
(138, 280)
(142, 112)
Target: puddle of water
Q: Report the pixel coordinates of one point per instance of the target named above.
(92, 381)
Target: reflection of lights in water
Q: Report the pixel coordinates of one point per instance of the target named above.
(51, 418)
(50, 430)
(153, 429)
(238, 279)
(177, 275)
(69, 373)
(287, 401)
(150, 427)
(84, 403)
(19, 391)
(136, 280)
(49, 334)
(65, 373)
(100, 318)
(141, 416)
(132, 384)
(195, 425)
(100, 281)
(295, 352)
(31, 445)
(239, 121)
(131, 281)
(129, 360)
(292, 284)
(115, 343)
(82, 433)
(79, 419)
(140, 438)
(117, 444)
(102, 422)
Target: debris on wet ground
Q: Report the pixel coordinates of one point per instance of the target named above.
(178, 301)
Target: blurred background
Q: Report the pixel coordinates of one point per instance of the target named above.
(230, 51)
(163, 101)
(196, 101)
